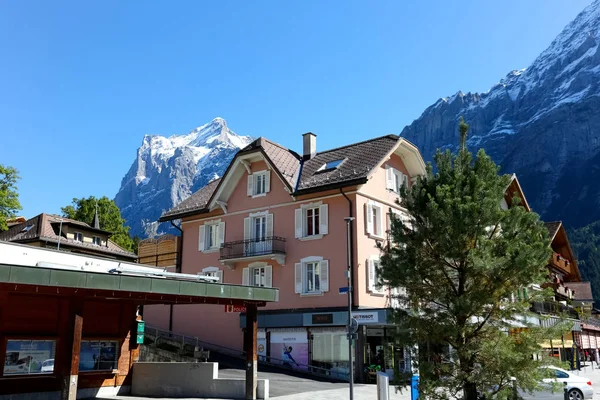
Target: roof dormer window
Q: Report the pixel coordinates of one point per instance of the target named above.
(78, 236)
(329, 165)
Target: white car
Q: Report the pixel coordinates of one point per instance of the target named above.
(578, 387)
(48, 365)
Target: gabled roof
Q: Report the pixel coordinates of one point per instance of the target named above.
(558, 237)
(515, 187)
(583, 291)
(553, 228)
(197, 201)
(43, 227)
(300, 177)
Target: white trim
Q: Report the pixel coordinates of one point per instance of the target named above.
(311, 259)
(211, 269)
(259, 214)
(246, 164)
(294, 203)
(384, 202)
(314, 204)
(313, 237)
(213, 250)
(213, 222)
(312, 294)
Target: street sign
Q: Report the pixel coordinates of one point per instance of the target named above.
(235, 308)
(139, 338)
(352, 336)
(352, 326)
(344, 290)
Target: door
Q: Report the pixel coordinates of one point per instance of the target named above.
(260, 243)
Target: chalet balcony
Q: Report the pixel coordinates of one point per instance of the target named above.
(253, 249)
(557, 261)
(553, 308)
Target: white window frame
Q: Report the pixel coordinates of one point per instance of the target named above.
(253, 187)
(395, 179)
(96, 240)
(248, 274)
(301, 276)
(374, 209)
(213, 271)
(205, 230)
(75, 237)
(374, 286)
(301, 221)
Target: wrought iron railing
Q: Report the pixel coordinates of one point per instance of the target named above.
(253, 247)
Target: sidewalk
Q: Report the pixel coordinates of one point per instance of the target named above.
(360, 392)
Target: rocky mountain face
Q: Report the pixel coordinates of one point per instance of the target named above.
(542, 123)
(168, 169)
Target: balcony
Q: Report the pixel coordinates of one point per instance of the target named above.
(554, 308)
(253, 249)
(561, 263)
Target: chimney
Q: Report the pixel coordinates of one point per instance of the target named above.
(309, 141)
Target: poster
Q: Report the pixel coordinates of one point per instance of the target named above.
(261, 345)
(290, 348)
(97, 355)
(29, 357)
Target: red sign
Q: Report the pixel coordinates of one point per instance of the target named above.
(232, 308)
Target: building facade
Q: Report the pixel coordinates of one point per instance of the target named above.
(277, 219)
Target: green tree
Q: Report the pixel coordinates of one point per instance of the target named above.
(109, 216)
(9, 196)
(464, 265)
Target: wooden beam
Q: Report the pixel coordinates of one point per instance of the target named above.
(251, 351)
(71, 374)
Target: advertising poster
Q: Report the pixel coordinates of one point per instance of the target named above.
(291, 348)
(96, 355)
(28, 356)
(261, 345)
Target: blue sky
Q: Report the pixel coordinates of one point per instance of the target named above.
(81, 82)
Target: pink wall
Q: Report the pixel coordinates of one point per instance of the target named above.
(157, 315)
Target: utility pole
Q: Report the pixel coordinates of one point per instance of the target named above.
(349, 273)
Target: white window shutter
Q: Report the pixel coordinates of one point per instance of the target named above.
(298, 222)
(298, 278)
(221, 233)
(246, 276)
(405, 180)
(369, 215)
(323, 219)
(371, 271)
(269, 276)
(269, 225)
(389, 178)
(201, 240)
(250, 184)
(220, 276)
(247, 228)
(324, 276)
(380, 221)
(268, 182)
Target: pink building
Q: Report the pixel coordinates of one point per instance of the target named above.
(276, 219)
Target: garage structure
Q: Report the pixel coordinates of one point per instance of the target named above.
(69, 323)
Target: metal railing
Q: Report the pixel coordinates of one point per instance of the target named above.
(550, 307)
(155, 334)
(253, 247)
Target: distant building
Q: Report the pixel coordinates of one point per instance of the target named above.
(55, 232)
(162, 251)
(15, 221)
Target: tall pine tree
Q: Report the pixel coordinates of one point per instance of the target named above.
(462, 263)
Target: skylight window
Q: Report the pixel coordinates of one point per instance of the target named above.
(331, 165)
(27, 228)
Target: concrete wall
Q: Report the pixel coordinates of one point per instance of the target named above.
(189, 380)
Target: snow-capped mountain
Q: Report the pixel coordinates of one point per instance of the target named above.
(168, 169)
(542, 122)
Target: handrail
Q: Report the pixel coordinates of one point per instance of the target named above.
(252, 247)
(241, 354)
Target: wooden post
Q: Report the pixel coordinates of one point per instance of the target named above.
(69, 390)
(251, 352)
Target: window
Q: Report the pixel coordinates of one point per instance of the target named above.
(26, 357)
(373, 281)
(211, 235)
(312, 276)
(27, 228)
(213, 271)
(374, 219)
(330, 165)
(258, 233)
(259, 183)
(96, 355)
(78, 237)
(258, 274)
(560, 374)
(311, 220)
(96, 240)
(395, 179)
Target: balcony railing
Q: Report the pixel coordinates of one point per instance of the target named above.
(560, 262)
(551, 307)
(253, 248)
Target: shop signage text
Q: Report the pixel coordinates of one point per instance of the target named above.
(322, 319)
(234, 308)
(366, 317)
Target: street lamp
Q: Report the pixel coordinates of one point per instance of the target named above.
(349, 275)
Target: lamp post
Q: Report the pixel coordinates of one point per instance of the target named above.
(349, 275)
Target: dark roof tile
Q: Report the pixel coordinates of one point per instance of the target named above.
(197, 201)
(583, 290)
(553, 228)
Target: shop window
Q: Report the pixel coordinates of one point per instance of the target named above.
(27, 357)
(330, 351)
(98, 355)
